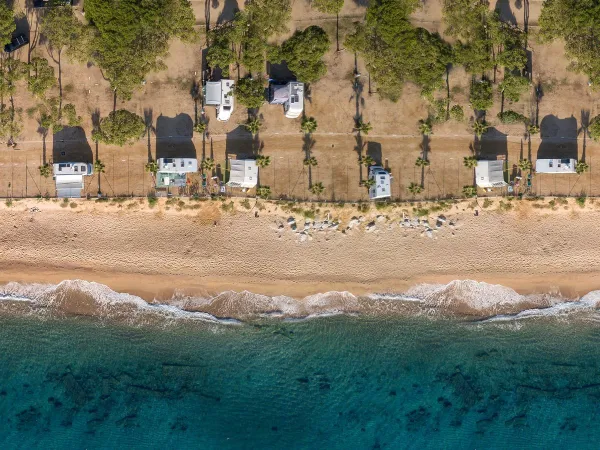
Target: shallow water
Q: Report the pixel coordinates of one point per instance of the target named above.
(335, 382)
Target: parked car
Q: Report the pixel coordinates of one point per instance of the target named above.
(16, 43)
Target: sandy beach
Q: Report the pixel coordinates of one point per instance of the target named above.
(200, 248)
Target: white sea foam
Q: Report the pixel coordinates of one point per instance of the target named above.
(462, 297)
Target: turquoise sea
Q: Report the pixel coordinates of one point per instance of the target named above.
(341, 382)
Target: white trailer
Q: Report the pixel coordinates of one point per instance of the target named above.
(219, 94)
(290, 95)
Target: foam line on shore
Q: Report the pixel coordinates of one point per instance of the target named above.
(461, 298)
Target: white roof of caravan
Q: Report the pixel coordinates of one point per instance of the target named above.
(382, 186)
(217, 92)
(212, 93)
(564, 165)
(243, 173)
(69, 186)
(177, 165)
(490, 174)
(69, 168)
(296, 100)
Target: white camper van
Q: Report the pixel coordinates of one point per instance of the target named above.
(69, 178)
(219, 94)
(290, 95)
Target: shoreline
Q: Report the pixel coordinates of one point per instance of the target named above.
(535, 247)
(160, 288)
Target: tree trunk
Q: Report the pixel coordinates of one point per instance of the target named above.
(60, 90)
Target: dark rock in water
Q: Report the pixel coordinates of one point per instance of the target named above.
(445, 402)
(393, 393)
(482, 354)
(3, 393)
(324, 386)
(74, 389)
(127, 421)
(456, 423)
(274, 428)
(28, 418)
(570, 424)
(302, 380)
(519, 421)
(463, 389)
(417, 418)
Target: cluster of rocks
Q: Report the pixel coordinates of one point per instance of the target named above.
(427, 229)
(305, 231)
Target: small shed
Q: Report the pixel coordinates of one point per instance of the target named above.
(382, 186)
(243, 173)
(490, 174)
(564, 165)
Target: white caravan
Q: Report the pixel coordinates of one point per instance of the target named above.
(69, 178)
(219, 94)
(290, 95)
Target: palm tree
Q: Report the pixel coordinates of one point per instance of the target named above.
(469, 191)
(309, 125)
(525, 165)
(470, 162)
(98, 166)
(201, 127)
(263, 161)
(368, 183)
(366, 161)
(208, 165)
(480, 127)
(363, 127)
(581, 167)
(45, 170)
(425, 127)
(317, 188)
(420, 162)
(263, 191)
(253, 125)
(415, 188)
(152, 167)
(310, 161)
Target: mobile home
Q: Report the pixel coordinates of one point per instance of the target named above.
(219, 94)
(69, 178)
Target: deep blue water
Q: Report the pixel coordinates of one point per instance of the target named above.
(335, 383)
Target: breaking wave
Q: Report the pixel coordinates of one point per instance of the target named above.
(471, 300)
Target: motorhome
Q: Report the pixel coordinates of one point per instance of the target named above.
(290, 95)
(173, 171)
(69, 178)
(564, 165)
(381, 188)
(220, 94)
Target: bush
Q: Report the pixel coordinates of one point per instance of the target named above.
(513, 86)
(457, 113)
(510, 116)
(481, 95)
(250, 92)
(119, 128)
(581, 201)
(594, 128)
(152, 201)
(303, 53)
